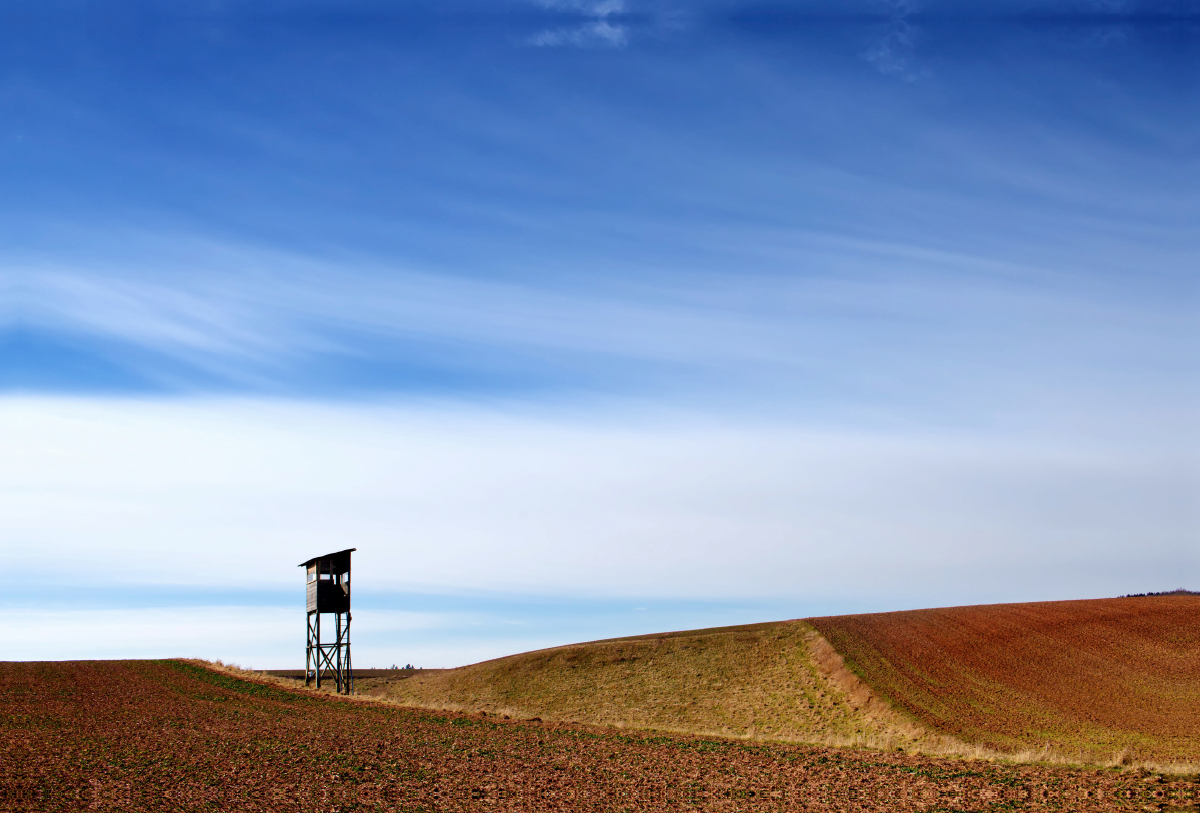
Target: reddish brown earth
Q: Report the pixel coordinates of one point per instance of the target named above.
(1097, 676)
(169, 735)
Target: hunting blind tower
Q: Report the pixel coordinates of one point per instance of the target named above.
(328, 586)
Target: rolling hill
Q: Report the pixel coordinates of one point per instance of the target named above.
(776, 681)
(1094, 676)
(1087, 681)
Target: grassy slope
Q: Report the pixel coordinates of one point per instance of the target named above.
(1087, 678)
(1094, 677)
(760, 680)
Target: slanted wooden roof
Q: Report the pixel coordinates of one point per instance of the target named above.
(340, 558)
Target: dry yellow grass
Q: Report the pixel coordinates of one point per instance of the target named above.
(776, 681)
(779, 681)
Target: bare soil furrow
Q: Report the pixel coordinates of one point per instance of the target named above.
(170, 735)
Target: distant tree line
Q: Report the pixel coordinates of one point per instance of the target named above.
(1178, 592)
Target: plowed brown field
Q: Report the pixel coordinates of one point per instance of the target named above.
(165, 735)
(1096, 676)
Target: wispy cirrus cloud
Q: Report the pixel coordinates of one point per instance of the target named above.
(894, 53)
(883, 331)
(600, 25)
(598, 33)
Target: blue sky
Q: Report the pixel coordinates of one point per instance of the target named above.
(558, 310)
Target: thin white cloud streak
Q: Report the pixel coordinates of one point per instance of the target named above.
(598, 31)
(956, 326)
(673, 506)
